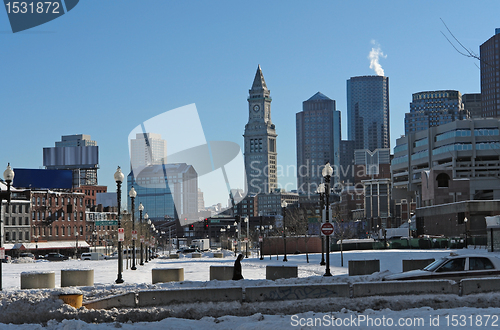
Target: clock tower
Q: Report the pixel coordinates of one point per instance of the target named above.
(260, 139)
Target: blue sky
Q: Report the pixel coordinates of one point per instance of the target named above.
(106, 66)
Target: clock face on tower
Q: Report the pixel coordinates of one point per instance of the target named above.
(256, 108)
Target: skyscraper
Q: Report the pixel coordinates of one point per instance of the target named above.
(77, 153)
(148, 149)
(368, 112)
(318, 140)
(434, 108)
(490, 79)
(260, 139)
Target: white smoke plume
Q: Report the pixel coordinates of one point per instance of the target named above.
(374, 56)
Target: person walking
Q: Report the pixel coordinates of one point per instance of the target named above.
(237, 268)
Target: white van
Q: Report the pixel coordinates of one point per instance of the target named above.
(92, 256)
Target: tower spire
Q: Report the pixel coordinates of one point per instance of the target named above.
(258, 82)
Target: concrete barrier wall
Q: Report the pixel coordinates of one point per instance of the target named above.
(363, 267)
(479, 285)
(276, 272)
(295, 292)
(195, 255)
(38, 280)
(218, 255)
(159, 298)
(412, 264)
(392, 288)
(120, 301)
(77, 277)
(173, 256)
(221, 273)
(162, 275)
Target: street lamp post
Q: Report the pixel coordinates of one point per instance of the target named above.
(76, 244)
(119, 179)
(132, 193)
(321, 192)
(141, 208)
(327, 174)
(465, 225)
(8, 176)
(409, 233)
(148, 252)
(94, 238)
(283, 205)
(261, 238)
(146, 220)
(35, 237)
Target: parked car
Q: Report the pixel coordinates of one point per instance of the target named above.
(92, 256)
(53, 256)
(188, 250)
(26, 255)
(453, 267)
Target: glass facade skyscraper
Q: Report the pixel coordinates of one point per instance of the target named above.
(368, 112)
(318, 134)
(434, 108)
(165, 191)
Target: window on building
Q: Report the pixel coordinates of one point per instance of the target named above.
(443, 180)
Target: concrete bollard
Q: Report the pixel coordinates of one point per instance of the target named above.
(413, 264)
(218, 255)
(221, 273)
(77, 277)
(363, 267)
(162, 275)
(276, 272)
(195, 255)
(38, 280)
(173, 256)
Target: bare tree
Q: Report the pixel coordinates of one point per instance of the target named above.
(298, 225)
(343, 230)
(462, 50)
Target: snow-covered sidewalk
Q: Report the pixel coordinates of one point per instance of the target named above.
(39, 306)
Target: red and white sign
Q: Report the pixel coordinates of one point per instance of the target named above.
(245, 240)
(261, 239)
(134, 235)
(327, 229)
(2, 253)
(142, 238)
(121, 234)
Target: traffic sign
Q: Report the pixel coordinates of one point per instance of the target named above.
(134, 235)
(121, 234)
(142, 238)
(2, 253)
(261, 239)
(327, 228)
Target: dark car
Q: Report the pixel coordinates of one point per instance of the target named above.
(188, 250)
(53, 256)
(453, 267)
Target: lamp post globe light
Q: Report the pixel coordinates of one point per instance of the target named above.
(118, 176)
(284, 205)
(133, 194)
(327, 174)
(321, 192)
(141, 208)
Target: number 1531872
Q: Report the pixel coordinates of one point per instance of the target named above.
(47, 7)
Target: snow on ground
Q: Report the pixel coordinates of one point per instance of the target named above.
(26, 308)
